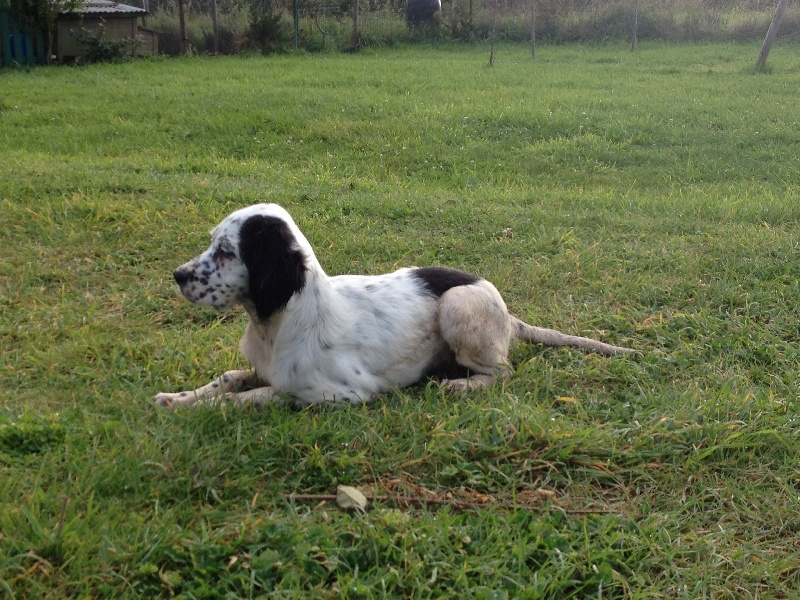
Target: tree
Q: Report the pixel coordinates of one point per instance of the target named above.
(42, 15)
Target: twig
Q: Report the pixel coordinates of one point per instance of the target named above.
(453, 503)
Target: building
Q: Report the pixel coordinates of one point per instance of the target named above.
(110, 21)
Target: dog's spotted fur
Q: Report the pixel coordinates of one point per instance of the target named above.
(314, 338)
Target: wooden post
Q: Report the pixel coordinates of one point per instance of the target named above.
(182, 26)
(635, 33)
(296, 22)
(533, 29)
(356, 33)
(771, 33)
(494, 33)
(215, 23)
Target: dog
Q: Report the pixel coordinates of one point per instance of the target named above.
(313, 338)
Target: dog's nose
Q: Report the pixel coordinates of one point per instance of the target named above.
(181, 276)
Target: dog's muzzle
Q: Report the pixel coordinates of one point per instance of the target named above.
(182, 276)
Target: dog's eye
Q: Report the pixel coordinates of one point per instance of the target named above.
(223, 252)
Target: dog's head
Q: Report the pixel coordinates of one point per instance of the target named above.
(257, 257)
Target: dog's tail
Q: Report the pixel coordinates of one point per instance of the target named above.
(551, 337)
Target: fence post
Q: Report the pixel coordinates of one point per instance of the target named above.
(771, 33)
(182, 25)
(215, 25)
(296, 18)
(356, 33)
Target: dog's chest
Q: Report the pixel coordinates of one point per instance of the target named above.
(258, 347)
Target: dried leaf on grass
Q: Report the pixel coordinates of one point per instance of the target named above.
(350, 498)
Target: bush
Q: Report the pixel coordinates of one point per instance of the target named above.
(226, 37)
(233, 28)
(269, 33)
(97, 49)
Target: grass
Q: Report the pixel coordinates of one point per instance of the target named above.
(648, 199)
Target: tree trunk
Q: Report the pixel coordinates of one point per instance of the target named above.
(321, 30)
(635, 33)
(771, 33)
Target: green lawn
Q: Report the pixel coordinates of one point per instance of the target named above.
(648, 199)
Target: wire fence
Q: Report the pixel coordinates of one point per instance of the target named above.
(315, 25)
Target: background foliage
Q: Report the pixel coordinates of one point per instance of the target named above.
(382, 22)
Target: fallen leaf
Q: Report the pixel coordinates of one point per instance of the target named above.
(547, 494)
(350, 498)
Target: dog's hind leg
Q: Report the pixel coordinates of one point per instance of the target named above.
(474, 322)
(258, 397)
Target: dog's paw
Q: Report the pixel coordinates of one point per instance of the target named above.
(468, 384)
(171, 401)
(457, 386)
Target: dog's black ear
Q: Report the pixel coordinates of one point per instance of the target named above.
(274, 263)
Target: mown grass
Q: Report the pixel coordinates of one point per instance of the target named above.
(649, 199)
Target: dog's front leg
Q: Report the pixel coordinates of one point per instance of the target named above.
(259, 397)
(228, 384)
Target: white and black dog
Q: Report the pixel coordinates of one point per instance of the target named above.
(314, 338)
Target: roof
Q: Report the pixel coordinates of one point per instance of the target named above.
(107, 7)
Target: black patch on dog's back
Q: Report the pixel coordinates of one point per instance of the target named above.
(275, 264)
(437, 280)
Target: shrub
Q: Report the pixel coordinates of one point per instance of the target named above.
(269, 32)
(98, 49)
(226, 37)
(233, 28)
